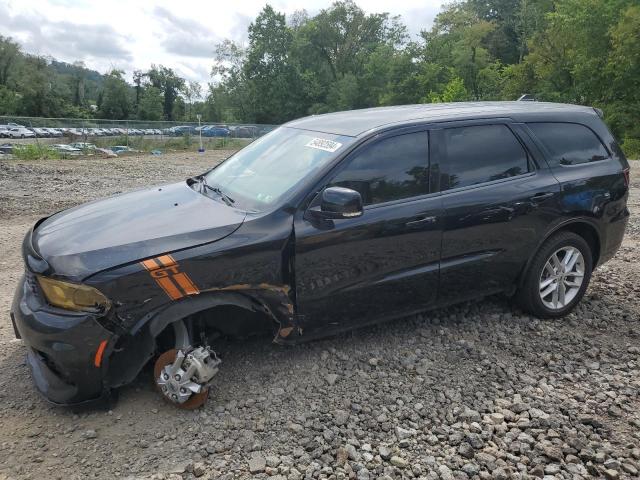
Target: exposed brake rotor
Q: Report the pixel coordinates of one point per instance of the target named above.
(183, 377)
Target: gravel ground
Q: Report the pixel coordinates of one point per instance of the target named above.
(475, 391)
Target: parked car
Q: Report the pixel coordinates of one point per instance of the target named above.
(54, 132)
(307, 233)
(67, 149)
(20, 132)
(182, 130)
(215, 131)
(6, 148)
(120, 149)
(4, 131)
(244, 132)
(83, 146)
(41, 132)
(74, 132)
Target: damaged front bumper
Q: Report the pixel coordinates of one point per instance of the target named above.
(66, 351)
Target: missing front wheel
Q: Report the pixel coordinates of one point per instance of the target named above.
(183, 376)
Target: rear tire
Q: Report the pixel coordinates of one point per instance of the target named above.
(557, 277)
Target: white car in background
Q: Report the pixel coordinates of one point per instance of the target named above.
(20, 132)
(40, 132)
(66, 150)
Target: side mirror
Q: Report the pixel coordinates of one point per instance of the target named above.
(339, 202)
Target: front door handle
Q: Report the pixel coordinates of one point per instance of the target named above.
(421, 221)
(538, 197)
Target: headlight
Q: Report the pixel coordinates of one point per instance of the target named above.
(73, 296)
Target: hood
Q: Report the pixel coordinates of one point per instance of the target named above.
(106, 233)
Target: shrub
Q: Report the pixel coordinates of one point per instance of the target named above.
(631, 148)
(35, 152)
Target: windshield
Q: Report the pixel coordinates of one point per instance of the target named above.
(264, 171)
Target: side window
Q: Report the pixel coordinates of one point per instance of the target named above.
(481, 153)
(569, 143)
(390, 169)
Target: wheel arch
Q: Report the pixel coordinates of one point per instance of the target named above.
(133, 351)
(586, 229)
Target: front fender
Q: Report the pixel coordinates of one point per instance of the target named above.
(138, 347)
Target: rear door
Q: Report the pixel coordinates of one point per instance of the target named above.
(498, 200)
(591, 170)
(384, 263)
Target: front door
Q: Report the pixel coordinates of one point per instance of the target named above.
(384, 263)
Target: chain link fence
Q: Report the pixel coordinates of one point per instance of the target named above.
(37, 136)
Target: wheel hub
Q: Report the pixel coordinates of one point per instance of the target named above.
(561, 278)
(183, 376)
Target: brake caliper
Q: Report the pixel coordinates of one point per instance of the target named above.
(184, 376)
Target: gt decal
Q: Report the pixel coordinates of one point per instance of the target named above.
(164, 270)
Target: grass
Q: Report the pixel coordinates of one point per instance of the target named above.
(35, 152)
(186, 143)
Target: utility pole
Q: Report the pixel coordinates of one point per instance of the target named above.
(201, 149)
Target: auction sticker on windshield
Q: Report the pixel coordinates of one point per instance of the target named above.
(322, 144)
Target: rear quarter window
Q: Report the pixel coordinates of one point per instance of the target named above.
(569, 143)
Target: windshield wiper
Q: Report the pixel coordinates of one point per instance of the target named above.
(204, 185)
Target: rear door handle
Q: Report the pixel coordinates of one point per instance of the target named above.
(538, 197)
(421, 221)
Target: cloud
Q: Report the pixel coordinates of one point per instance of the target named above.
(132, 35)
(65, 39)
(185, 36)
(240, 30)
(419, 19)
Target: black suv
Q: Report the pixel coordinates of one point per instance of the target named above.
(325, 224)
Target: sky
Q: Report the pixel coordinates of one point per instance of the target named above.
(133, 34)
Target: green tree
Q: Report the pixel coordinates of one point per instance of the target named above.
(271, 75)
(454, 91)
(115, 99)
(10, 55)
(169, 83)
(138, 82)
(192, 93)
(41, 94)
(229, 97)
(622, 105)
(78, 80)
(150, 106)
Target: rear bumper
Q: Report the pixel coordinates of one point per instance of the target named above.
(614, 235)
(62, 348)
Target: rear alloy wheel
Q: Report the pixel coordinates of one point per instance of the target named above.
(561, 278)
(558, 276)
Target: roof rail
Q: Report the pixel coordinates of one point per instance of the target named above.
(527, 97)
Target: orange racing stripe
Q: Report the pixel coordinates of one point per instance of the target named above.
(169, 288)
(186, 284)
(150, 264)
(167, 260)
